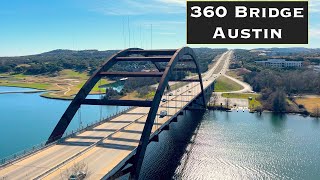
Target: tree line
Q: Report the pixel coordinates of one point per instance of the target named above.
(84, 61)
(51, 63)
(275, 85)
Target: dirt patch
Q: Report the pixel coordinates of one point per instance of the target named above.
(63, 86)
(310, 103)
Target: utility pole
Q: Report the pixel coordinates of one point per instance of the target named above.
(151, 36)
(140, 38)
(123, 33)
(129, 32)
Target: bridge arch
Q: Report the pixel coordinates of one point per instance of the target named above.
(144, 140)
(172, 57)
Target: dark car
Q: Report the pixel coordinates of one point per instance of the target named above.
(163, 113)
(78, 176)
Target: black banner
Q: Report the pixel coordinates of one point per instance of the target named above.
(247, 22)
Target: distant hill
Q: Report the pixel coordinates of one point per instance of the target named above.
(62, 54)
(66, 52)
(85, 60)
(292, 50)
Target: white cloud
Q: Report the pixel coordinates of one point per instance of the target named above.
(177, 2)
(315, 33)
(132, 7)
(314, 6)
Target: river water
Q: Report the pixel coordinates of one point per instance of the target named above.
(209, 145)
(26, 119)
(236, 145)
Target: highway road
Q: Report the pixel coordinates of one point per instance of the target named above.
(246, 88)
(106, 147)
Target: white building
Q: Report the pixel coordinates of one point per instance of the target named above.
(280, 63)
(316, 68)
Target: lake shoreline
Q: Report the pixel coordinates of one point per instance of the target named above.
(219, 108)
(15, 92)
(38, 90)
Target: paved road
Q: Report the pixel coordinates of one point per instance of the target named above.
(246, 88)
(106, 146)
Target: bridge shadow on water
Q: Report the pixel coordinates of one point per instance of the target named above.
(163, 157)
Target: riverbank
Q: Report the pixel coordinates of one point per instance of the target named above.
(310, 103)
(232, 93)
(15, 92)
(258, 108)
(63, 86)
(243, 98)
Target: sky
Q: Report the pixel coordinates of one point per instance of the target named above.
(36, 26)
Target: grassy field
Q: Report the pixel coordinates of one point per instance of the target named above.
(63, 86)
(73, 74)
(39, 86)
(224, 84)
(233, 73)
(254, 103)
(178, 85)
(310, 103)
(132, 96)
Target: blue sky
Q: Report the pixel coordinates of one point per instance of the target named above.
(35, 26)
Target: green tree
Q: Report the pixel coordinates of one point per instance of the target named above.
(18, 69)
(4, 69)
(279, 101)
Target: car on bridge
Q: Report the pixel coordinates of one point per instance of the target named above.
(163, 113)
(78, 176)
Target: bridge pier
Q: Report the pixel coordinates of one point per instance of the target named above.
(208, 92)
(197, 104)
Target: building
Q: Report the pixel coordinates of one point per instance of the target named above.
(316, 68)
(280, 63)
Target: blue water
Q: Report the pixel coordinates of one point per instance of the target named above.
(236, 145)
(118, 85)
(209, 145)
(28, 119)
(14, 89)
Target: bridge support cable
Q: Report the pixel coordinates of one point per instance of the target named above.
(79, 117)
(100, 97)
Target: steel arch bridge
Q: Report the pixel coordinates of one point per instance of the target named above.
(170, 57)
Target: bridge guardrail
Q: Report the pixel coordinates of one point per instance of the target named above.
(36, 148)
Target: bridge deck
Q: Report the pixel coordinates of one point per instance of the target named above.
(106, 147)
